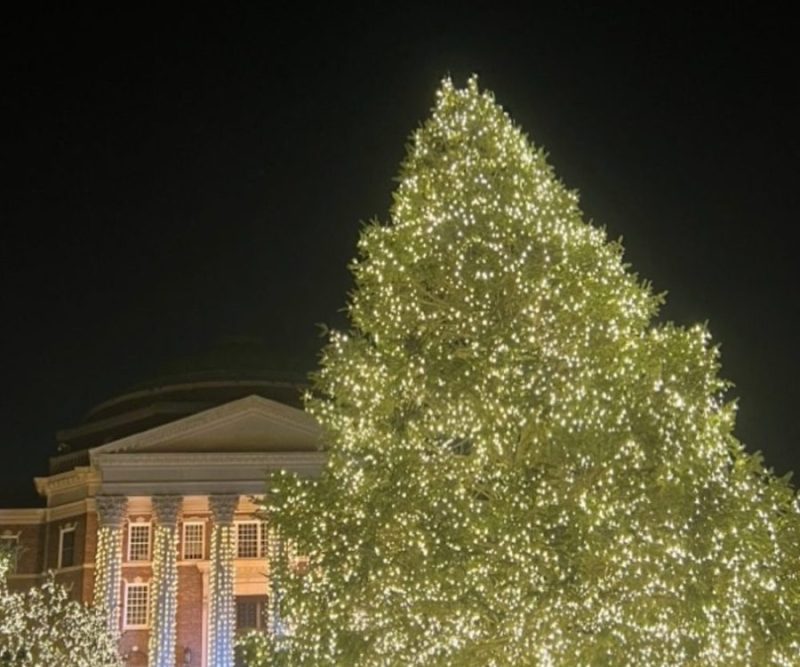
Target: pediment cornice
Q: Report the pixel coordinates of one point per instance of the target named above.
(79, 478)
(203, 473)
(276, 460)
(268, 414)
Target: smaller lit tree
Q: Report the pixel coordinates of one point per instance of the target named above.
(42, 626)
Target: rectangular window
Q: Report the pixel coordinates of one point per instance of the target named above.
(139, 541)
(193, 540)
(251, 612)
(246, 614)
(264, 539)
(247, 539)
(66, 548)
(10, 544)
(136, 603)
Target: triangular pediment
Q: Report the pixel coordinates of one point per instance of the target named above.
(250, 424)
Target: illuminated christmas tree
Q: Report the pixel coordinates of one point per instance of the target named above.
(525, 468)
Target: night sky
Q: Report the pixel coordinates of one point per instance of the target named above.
(172, 179)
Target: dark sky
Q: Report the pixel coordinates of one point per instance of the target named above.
(169, 179)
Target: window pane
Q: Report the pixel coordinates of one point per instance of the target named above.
(264, 540)
(247, 540)
(246, 614)
(251, 612)
(193, 541)
(136, 604)
(67, 548)
(139, 546)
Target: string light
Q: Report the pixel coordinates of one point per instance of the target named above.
(278, 564)
(597, 509)
(222, 608)
(164, 601)
(111, 512)
(107, 570)
(43, 626)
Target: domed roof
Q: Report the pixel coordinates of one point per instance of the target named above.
(234, 368)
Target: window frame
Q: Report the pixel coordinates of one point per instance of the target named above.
(261, 603)
(126, 606)
(149, 555)
(184, 541)
(264, 540)
(63, 530)
(248, 522)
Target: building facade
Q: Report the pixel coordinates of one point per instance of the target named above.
(153, 513)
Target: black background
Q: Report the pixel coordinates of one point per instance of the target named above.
(174, 177)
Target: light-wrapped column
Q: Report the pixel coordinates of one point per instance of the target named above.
(221, 605)
(108, 560)
(278, 567)
(164, 595)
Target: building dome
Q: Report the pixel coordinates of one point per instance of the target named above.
(233, 368)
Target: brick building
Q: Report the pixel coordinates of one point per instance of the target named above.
(151, 509)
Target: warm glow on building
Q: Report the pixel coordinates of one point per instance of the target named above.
(152, 512)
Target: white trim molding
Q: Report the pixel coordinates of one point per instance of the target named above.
(200, 473)
(22, 517)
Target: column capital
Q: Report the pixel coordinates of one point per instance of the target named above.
(166, 509)
(111, 510)
(223, 507)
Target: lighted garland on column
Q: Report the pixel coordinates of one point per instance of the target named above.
(222, 609)
(109, 544)
(278, 564)
(221, 603)
(164, 590)
(108, 559)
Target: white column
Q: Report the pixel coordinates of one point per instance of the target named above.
(164, 593)
(108, 566)
(221, 604)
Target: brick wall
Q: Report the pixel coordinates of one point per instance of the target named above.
(41, 551)
(75, 577)
(89, 551)
(190, 612)
(29, 553)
